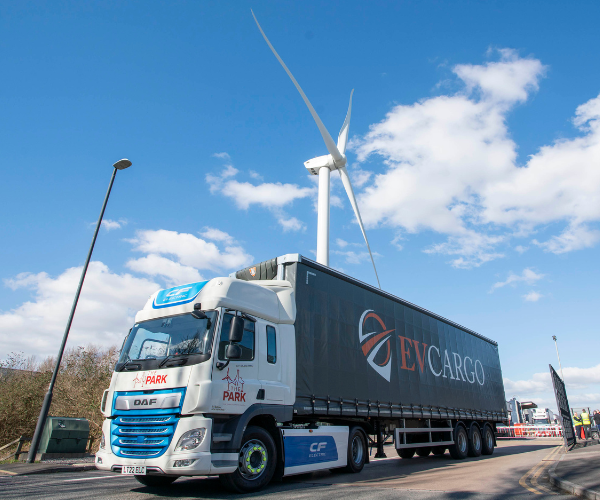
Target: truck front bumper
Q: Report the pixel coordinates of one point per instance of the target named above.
(204, 462)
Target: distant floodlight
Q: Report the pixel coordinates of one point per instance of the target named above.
(122, 164)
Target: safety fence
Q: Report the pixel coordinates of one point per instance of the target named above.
(528, 431)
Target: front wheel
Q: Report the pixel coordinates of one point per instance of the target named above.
(156, 481)
(357, 450)
(460, 448)
(256, 462)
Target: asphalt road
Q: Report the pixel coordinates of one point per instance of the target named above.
(517, 469)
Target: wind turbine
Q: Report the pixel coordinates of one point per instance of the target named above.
(323, 165)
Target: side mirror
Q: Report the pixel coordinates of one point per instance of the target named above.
(236, 332)
(233, 351)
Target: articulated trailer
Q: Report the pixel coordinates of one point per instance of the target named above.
(289, 367)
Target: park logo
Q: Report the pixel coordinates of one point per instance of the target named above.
(145, 379)
(415, 356)
(235, 388)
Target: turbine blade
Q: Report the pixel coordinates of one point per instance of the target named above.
(331, 147)
(348, 186)
(343, 137)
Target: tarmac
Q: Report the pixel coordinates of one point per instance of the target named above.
(578, 471)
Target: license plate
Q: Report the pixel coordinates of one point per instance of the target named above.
(131, 470)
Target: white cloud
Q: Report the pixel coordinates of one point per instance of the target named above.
(528, 276)
(222, 156)
(290, 223)
(521, 249)
(172, 272)
(270, 195)
(575, 237)
(351, 257)
(451, 167)
(109, 224)
(104, 314)
(532, 296)
(341, 243)
(188, 250)
(211, 233)
(255, 175)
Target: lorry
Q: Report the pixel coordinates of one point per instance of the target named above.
(542, 416)
(288, 367)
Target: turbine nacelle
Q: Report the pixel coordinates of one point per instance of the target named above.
(315, 164)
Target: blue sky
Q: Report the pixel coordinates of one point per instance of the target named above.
(464, 152)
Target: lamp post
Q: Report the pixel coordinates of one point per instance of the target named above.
(558, 356)
(35, 442)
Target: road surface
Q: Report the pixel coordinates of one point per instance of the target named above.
(517, 469)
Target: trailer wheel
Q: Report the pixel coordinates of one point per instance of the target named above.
(256, 463)
(156, 481)
(438, 450)
(423, 452)
(487, 447)
(460, 448)
(406, 452)
(474, 441)
(357, 450)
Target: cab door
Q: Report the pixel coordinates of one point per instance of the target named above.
(269, 362)
(235, 387)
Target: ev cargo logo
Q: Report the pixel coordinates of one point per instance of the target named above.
(377, 348)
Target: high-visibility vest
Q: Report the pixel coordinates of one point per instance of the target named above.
(585, 418)
(577, 421)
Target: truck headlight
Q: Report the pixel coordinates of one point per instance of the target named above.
(190, 440)
(102, 442)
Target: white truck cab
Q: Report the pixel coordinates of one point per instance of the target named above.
(174, 392)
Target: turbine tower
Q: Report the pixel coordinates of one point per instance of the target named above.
(323, 165)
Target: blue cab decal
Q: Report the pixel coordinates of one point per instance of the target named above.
(177, 295)
(305, 450)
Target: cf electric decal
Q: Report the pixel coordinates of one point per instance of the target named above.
(235, 388)
(414, 355)
(373, 342)
(178, 295)
(150, 378)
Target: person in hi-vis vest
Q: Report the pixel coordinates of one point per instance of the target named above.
(577, 422)
(587, 423)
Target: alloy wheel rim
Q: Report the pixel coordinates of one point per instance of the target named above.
(357, 450)
(253, 459)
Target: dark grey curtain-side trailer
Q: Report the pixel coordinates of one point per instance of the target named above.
(373, 361)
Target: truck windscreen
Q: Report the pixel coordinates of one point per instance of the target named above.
(167, 342)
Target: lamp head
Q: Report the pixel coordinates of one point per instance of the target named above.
(122, 164)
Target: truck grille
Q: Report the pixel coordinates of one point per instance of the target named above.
(144, 433)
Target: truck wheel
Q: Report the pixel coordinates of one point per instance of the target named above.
(474, 441)
(357, 450)
(156, 481)
(406, 452)
(257, 462)
(460, 448)
(423, 452)
(487, 447)
(438, 450)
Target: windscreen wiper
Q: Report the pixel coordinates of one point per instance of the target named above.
(127, 364)
(172, 356)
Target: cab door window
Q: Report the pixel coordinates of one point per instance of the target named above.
(247, 343)
(271, 345)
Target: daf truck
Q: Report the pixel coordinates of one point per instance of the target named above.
(288, 367)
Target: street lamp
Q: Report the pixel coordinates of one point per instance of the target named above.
(35, 442)
(558, 356)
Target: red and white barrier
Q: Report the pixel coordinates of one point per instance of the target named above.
(529, 431)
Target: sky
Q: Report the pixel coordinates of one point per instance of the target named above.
(474, 153)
